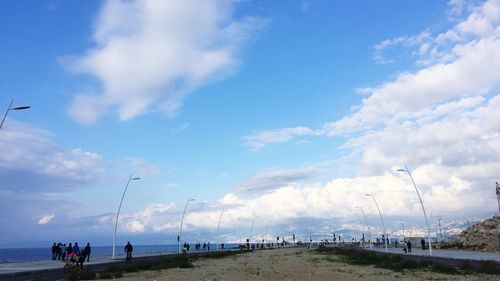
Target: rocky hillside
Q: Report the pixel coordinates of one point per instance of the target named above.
(483, 236)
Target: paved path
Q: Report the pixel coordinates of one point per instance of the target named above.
(454, 254)
(14, 267)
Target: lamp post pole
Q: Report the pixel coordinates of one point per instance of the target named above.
(381, 219)
(218, 228)
(423, 208)
(403, 226)
(182, 220)
(131, 178)
(12, 108)
(369, 230)
(251, 231)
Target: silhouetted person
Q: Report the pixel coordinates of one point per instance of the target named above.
(128, 250)
(87, 251)
(408, 245)
(422, 242)
(76, 249)
(54, 251)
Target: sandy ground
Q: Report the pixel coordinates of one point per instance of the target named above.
(288, 264)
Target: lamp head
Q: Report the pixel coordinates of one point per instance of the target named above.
(401, 170)
(134, 179)
(367, 194)
(21, 107)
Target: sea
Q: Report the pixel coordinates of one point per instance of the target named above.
(34, 254)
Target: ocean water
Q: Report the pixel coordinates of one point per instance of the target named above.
(32, 254)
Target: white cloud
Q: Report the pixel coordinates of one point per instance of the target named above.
(46, 219)
(276, 178)
(441, 119)
(35, 163)
(150, 54)
(261, 139)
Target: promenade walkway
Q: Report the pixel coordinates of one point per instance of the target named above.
(453, 254)
(15, 270)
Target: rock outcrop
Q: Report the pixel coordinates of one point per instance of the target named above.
(483, 236)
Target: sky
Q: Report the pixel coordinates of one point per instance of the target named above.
(284, 113)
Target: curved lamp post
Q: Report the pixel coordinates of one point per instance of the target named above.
(12, 108)
(369, 230)
(381, 219)
(251, 230)
(131, 178)
(421, 203)
(218, 228)
(182, 220)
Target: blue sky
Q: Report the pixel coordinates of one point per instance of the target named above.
(289, 111)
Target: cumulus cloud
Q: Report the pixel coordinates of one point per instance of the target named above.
(440, 119)
(35, 163)
(150, 54)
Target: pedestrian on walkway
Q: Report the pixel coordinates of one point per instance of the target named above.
(76, 248)
(54, 251)
(408, 245)
(63, 252)
(87, 251)
(128, 250)
(422, 242)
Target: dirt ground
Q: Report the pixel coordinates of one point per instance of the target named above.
(288, 264)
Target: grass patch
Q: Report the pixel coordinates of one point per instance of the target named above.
(396, 262)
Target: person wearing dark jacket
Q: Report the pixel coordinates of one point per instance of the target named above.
(128, 249)
(87, 251)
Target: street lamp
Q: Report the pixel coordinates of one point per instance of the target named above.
(421, 203)
(131, 178)
(12, 108)
(251, 230)
(369, 230)
(182, 220)
(218, 228)
(380, 214)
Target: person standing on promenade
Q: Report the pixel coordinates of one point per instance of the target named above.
(208, 246)
(408, 245)
(128, 250)
(54, 251)
(59, 250)
(87, 251)
(422, 242)
(63, 252)
(76, 249)
(69, 250)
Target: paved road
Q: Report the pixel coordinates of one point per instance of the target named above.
(454, 254)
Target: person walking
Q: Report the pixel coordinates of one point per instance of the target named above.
(408, 245)
(128, 250)
(87, 251)
(422, 242)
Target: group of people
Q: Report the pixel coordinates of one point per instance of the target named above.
(197, 246)
(71, 253)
